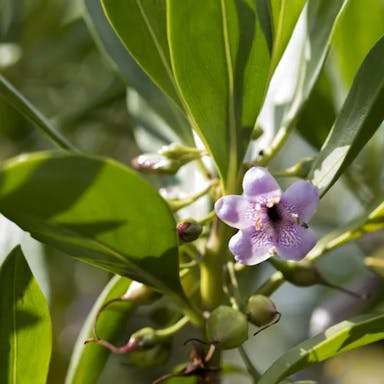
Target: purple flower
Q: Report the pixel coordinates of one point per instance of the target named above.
(269, 221)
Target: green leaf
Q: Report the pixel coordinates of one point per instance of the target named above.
(25, 325)
(96, 210)
(112, 47)
(359, 118)
(13, 97)
(337, 339)
(88, 361)
(141, 26)
(372, 220)
(285, 14)
(360, 27)
(220, 60)
(297, 71)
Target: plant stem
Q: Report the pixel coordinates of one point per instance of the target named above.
(271, 285)
(211, 267)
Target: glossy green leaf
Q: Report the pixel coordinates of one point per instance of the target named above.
(25, 325)
(131, 72)
(337, 339)
(96, 210)
(298, 69)
(141, 26)
(359, 118)
(13, 97)
(88, 361)
(360, 27)
(370, 221)
(220, 59)
(285, 14)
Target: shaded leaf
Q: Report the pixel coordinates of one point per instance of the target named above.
(359, 118)
(337, 339)
(96, 210)
(13, 97)
(221, 71)
(88, 361)
(25, 325)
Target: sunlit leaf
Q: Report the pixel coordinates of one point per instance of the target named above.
(285, 14)
(359, 28)
(220, 60)
(25, 325)
(96, 210)
(359, 118)
(88, 361)
(298, 69)
(337, 339)
(141, 26)
(131, 72)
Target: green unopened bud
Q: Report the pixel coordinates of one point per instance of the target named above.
(139, 293)
(227, 327)
(261, 310)
(155, 163)
(189, 231)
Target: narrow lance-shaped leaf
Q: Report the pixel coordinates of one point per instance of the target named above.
(220, 60)
(13, 97)
(359, 118)
(298, 70)
(25, 325)
(96, 210)
(88, 361)
(284, 14)
(337, 339)
(141, 26)
(131, 72)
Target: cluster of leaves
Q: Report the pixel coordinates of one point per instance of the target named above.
(244, 75)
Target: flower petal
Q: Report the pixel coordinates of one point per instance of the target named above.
(251, 247)
(295, 241)
(301, 198)
(235, 211)
(260, 186)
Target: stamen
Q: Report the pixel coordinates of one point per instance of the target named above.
(258, 224)
(295, 217)
(272, 202)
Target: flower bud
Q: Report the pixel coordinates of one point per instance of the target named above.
(139, 293)
(189, 231)
(227, 326)
(261, 310)
(155, 163)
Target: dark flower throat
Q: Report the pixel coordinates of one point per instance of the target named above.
(273, 214)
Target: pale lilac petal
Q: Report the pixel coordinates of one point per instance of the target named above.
(251, 247)
(235, 211)
(295, 241)
(302, 199)
(260, 186)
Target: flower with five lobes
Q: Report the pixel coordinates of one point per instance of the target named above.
(269, 221)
